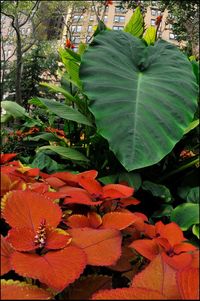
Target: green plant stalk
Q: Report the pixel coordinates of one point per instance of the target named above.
(190, 164)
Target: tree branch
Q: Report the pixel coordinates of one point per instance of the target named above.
(32, 13)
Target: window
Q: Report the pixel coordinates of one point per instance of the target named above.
(9, 52)
(75, 49)
(23, 30)
(172, 36)
(93, 8)
(92, 18)
(119, 19)
(77, 18)
(118, 27)
(153, 12)
(153, 22)
(153, 3)
(119, 10)
(90, 28)
(105, 19)
(76, 28)
(170, 26)
(28, 30)
(88, 39)
(76, 40)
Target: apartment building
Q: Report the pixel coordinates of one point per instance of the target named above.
(83, 22)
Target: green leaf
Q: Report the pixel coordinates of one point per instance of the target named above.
(43, 161)
(192, 126)
(195, 66)
(13, 109)
(165, 210)
(61, 90)
(135, 24)
(133, 179)
(81, 48)
(189, 194)
(45, 136)
(64, 111)
(186, 215)
(157, 190)
(143, 98)
(109, 179)
(196, 230)
(72, 64)
(150, 35)
(65, 152)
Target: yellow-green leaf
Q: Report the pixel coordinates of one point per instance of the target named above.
(135, 24)
(150, 35)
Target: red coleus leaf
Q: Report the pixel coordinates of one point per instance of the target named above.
(128, 294)
(4, 158)
(102, 246)
(188, 283)
(179, 261)
(54, 182)
(16, 290)
(57, 269)
(78, 221)
(172, 232)
(23, 239)
(92, 186)
(156, 281)
(115, 191)
(158, 276)
(84, 287)
(118, 220)
(28, 209)
(6, 252)
(77, 196)
(94, 219)
(146, 247)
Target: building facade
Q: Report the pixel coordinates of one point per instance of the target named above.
(83, 22)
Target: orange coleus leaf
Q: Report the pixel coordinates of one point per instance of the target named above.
(172, 232)
(158, 276)
(6, 252)
(156, 281)
(57, 269)
(78, 221)
(146, 247)
(115, 191)
(23, 239)
(38, 187)
(123, 263)
(92, 186)
(94, 219)
(54, 182)
(188, 283)
(75, 195)
(7, 184)
(128, 294)
(184, 247)
(129, 201)
(4, 158)
(118, 220)
(16, 290)
(102, 246)
(28, 209)
(85, 287)
(179, 261)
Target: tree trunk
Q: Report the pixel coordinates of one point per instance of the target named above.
(18, 93)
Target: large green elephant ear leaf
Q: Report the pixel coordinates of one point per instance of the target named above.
(142, 97)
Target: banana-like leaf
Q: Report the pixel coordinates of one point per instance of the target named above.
(142, 97)
(150, 35)
(57, 89)
(185, 215)
(72, 64)
(64, 111)
(13, 109)
(65, 152)
(135, 26)
(192, 126)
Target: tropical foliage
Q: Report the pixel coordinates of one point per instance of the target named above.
(121, 133)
